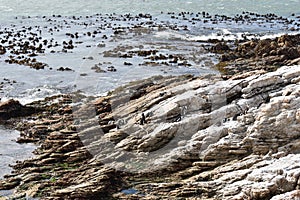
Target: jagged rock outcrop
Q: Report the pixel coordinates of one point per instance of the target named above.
(170, 137)
(267, 55)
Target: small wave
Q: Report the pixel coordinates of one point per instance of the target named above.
(228, 36)
(31, 95)
(214, 36)
(272, 36)
(222, 35)
(170, 35)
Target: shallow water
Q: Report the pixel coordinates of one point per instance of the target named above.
(184, 40)
(10, 151)
(33, 84)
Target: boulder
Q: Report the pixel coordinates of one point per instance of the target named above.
(13, 108)
(264, 47)
(220, 48)
(2, 50)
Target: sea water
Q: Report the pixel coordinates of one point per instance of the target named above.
(9, 8)
(29, 84)
(10, 151)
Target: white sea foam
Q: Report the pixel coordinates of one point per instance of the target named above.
(272, 36)
(212, 37)
(33, 94)
(170, 35)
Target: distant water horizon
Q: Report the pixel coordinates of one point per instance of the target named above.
(12, 8)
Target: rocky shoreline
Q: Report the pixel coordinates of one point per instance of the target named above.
(258, 55)
(233, 136)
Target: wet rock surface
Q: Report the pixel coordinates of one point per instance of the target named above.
(167, 137)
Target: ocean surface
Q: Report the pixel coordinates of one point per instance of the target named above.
(27, 84)
(9, 8)
(167, 31)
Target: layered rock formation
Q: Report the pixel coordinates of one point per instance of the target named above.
(168, 137)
